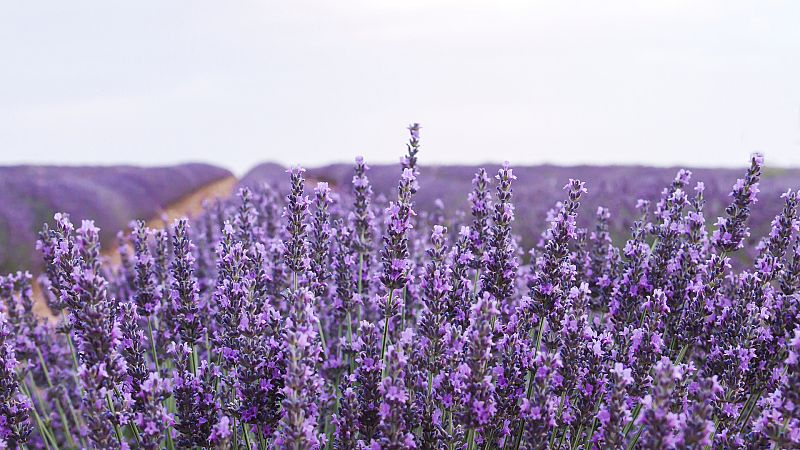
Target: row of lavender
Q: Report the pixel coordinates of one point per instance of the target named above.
(346, 323)
(540, 187)
(113, 196)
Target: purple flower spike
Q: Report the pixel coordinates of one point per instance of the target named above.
(296, 214)
(14, 407)
(732, 230)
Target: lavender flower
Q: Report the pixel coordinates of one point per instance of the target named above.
(481, 201)
(369, 366)
(501, 265)
(460, 299)
(732, 230)
(184, 293)
(698, 427)
(436, 287)
(198, 406)
(346, 421)
(344, 262)
(14, 407)
(410, 160)
(398, 222)
(394, 432)
(659, 423)
(779, 422)
(396, 266)
(472, 380)
(554, 274)
(151, 416)
(614, 412)
(302, 385)
(362, 218)
(296, 212)
(320, 241)
(144, 263)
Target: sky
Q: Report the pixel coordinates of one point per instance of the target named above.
(235, 83)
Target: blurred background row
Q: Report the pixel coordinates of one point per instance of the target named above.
(113, 196)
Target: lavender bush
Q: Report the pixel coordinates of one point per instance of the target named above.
(336, 319)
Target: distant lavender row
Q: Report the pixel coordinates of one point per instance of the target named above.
(112, 196)
(614, 187)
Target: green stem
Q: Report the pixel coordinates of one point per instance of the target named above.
(451, 445)
(716, 419)
(783, 428)
(386, 326)
(75, 418)
(591, 432)
(632, 445)
(558, 415)
(153, 345)
(246, 435)
(322, 337)
(529, 388)
(46, 418)
(236, 434)
(682, 354)
(132, 426)
(350, 340)
(360, 274)
(168, 431)
(471, 439)
(262, 440)
(73, 354)
(61, 413)
(193, 360)
(208, 348)
(403, 309)
(113, 412)
(47, 436)
(329, 428)
(539, 336)
(563, 435)
(489, 441)
(577, 440)
(170, 443)
(360, 270)
(755, 397)
(634, 415)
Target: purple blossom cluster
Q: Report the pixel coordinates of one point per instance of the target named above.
(352, 321)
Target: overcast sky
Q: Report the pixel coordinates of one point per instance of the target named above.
(697, 83)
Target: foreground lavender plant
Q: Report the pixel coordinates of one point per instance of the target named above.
(246, 329)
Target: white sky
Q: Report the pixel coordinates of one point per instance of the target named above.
(240, 82)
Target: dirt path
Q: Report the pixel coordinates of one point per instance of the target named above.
(192, 204)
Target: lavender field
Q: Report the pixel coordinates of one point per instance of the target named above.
(406, 306)
(616, 188)
(111, 196)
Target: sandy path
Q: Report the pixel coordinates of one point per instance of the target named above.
(192, 204)
(189, 206)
